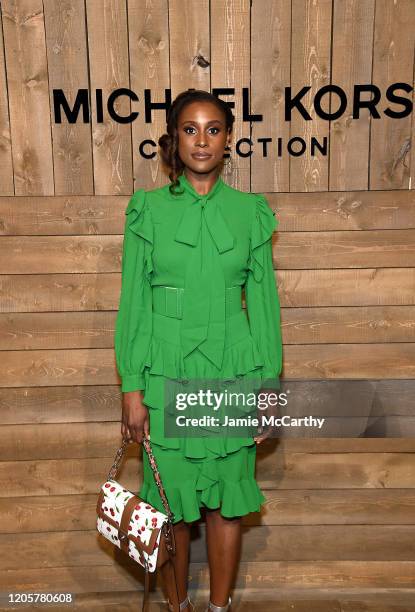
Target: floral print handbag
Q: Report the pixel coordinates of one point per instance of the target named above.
(133, 525)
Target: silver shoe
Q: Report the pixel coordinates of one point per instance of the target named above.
(212, 608)
(186, 602)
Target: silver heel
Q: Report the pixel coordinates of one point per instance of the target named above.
(212, 608)
(186, 602)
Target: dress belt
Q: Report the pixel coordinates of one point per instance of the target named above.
(168, 301)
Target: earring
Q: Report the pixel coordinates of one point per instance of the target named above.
(228, 161)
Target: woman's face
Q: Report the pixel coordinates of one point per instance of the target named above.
(202, 131)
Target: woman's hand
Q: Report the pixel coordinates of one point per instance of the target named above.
(263, 436)
(265, 432)
(135, 420)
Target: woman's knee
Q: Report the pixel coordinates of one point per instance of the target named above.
(216, 516)
(182, 525)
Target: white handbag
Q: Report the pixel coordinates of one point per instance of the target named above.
(133, 525)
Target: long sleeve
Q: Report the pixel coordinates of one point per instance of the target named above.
(133, 330)
(261, 292)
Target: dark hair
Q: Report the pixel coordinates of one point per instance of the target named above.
(169, 142)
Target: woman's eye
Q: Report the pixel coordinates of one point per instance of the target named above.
(192, 128)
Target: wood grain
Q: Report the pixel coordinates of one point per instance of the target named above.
(310, 67)
(28, 94)
(6, 159)
(393, 54)
(150, 78)
(68, 68)
(353, 31)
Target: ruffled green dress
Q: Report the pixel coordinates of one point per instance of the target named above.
(203, 244)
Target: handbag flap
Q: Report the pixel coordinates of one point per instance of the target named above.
(134, 503)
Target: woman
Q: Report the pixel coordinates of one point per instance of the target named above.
(189, 248)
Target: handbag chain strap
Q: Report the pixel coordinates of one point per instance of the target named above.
(112, 474)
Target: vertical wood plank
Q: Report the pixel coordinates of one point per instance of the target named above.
(390, 139)
(270, 74)
(310, 67)
(108, 60)
(68, 70)
(149, 69)
(353, 23)
(189, 31)
(6, 162)
(28, 90)
(230, 53)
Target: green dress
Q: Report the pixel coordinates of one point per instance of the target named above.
(186, 258)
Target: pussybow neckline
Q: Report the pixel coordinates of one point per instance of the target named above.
(189, 227)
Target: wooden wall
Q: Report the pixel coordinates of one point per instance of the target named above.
(339, 522)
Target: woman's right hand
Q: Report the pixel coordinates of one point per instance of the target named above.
(135, 422)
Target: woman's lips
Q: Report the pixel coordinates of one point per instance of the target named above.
(201, 156)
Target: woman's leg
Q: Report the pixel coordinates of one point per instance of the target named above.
(181, 565)
(223, 540)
